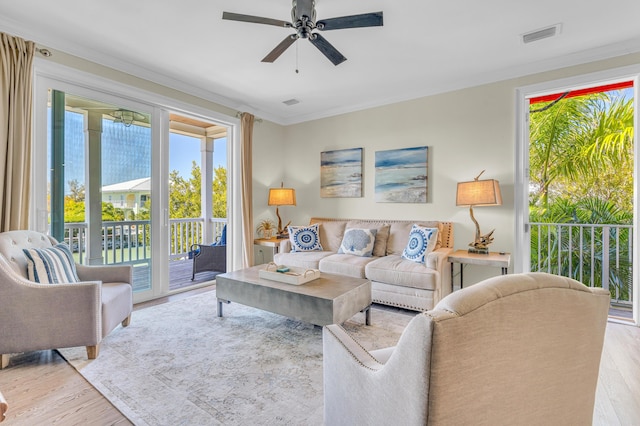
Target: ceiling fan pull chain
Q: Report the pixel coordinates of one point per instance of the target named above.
(297, 58)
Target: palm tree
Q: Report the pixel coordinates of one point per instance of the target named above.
(578, 140)
(581, 171)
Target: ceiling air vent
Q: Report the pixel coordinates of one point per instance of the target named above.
(542, 33)
(291, 102)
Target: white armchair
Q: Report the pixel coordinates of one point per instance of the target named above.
(515, 349)
(48, 316)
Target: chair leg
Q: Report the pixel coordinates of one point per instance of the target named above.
(126, 321)
(92, 351)
(4, 360)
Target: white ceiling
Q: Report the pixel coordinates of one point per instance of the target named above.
(424, 47)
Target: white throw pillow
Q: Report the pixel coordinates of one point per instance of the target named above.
(304, 238)
(358, 242)
(52, 265)
(422, 241)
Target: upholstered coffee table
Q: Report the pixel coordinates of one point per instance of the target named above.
(330, 299)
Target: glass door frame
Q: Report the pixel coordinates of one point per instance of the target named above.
(50, 75)
(522, 254)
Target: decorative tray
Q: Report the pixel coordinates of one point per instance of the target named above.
(293, 275)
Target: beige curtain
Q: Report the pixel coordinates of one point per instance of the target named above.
(246, 134)
(16, 85)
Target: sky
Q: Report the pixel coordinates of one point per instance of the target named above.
(184, 149)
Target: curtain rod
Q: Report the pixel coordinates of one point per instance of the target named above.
(44, 52)
(258, 120)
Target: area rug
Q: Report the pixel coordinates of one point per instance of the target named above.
(179, 364)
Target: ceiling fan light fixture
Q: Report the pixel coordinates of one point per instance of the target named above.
(303, 21)
(541, 34)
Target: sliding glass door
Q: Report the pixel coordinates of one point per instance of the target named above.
(99, 182)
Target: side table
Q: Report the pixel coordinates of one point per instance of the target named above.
(269, 242)
(501, 260)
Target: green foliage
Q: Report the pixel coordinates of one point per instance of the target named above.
(581, 172)
(219, 188)
(74, 211)
(184, 194)
(583, 146)
(110, 213)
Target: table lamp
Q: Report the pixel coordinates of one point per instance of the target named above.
(479, 193)
(282, 197)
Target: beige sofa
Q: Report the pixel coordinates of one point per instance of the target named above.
(394, 280)
(49, 316)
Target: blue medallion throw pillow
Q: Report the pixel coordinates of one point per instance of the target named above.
(51, 265)
(304, 238)
(421, 242)
(358, 242)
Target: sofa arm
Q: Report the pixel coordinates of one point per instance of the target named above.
(437, 260)
(285, 246)
(106, 273)
(360, 390)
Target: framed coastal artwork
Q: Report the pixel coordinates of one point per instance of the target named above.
(401, 175)
(341, 173)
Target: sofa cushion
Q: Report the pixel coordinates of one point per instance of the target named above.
(399, 235)
(52, 265)
(393, 269)
(307, 260)
(382, 234)
(331, 233)
(345, 264)
(421, 242)
(358, 242)
(304, 238)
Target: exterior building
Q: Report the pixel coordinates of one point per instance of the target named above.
(130, 196)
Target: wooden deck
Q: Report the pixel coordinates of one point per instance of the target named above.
(179, 276)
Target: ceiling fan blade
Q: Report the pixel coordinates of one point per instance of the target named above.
(354, 21)
(254, 19)
(327, 49)
(279, 49)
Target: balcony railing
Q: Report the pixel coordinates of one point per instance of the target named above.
(596, 255)
(129, 241)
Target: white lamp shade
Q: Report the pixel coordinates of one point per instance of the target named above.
(479, 193)
(282, 197)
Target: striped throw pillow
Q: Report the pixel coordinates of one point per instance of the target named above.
(52, 265)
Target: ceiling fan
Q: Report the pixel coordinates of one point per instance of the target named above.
(303, 17)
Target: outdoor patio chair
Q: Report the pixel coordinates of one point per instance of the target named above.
(210, 257)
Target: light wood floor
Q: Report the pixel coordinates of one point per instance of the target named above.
(42, 389)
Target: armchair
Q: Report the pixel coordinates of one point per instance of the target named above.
(37, 316)
(515, 349)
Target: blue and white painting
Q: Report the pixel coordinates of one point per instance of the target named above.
(401, 175)
(341, 173)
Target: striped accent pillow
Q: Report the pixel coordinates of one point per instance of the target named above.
(52, 265)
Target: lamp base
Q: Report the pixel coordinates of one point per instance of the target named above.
(483, 250)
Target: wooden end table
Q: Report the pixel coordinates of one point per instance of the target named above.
(501, 260)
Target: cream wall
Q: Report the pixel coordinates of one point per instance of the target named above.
(467, 131)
